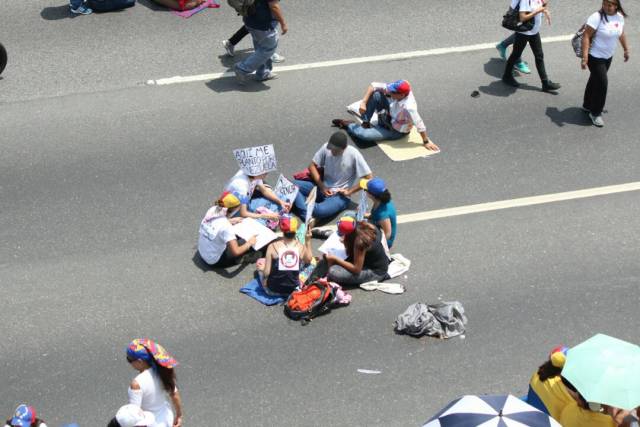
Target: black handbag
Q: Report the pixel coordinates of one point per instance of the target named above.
(511, 21)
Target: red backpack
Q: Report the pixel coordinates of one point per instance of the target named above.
(310, 301)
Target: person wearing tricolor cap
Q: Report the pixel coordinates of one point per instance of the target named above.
(156, 380)
(383, 213)
(132, 416)
(553, 394)
(397, 112)
(25, 416)
(284, 258)
(218, 244)
(366, 256)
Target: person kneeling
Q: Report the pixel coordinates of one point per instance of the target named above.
(218, 245)
(366, 258)
(282, 265)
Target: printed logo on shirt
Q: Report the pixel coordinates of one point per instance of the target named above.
(289, 261)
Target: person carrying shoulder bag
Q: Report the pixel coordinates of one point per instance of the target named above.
(602, 31)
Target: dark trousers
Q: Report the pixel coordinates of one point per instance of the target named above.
(518, 47)
(228, 260)
(595, 94)
(239, 35)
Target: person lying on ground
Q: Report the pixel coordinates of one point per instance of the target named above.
(553, 394)
(254, 194)
(397, 112)
(218, 245)
(343, 166)
(25, 416)
(180, 4)
(284, 257)
(366, 257)
(383, 213)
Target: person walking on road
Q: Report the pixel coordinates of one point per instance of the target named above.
(156, 380)
(262, 26)
(397, 112)
(521, 65)
(230, 44)
(602, 32)
(530, 9)
(25, 416)
(343, 166)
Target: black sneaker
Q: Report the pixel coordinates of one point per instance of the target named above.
(317, 233)
(549, 86)
(509, 80)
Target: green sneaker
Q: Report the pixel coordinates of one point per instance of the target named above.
(502, 51)
(523, 67)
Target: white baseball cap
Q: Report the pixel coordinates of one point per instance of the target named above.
(132, 416)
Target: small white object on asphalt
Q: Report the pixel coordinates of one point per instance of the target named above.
(369, 371)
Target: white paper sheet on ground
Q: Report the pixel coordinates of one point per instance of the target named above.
(311, 204)
(285, 189)
(407, 148)
(334, 246)
(249, 227)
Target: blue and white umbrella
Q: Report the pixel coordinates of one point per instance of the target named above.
(490, 411)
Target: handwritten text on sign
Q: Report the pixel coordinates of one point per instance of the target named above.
(255, 161)
(285, 189)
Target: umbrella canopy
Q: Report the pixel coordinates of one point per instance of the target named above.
(490, 411)
(605, 370)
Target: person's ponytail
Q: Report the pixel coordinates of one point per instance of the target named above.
(553, 367)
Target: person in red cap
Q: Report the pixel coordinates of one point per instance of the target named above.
(397, 114)
(284, 257)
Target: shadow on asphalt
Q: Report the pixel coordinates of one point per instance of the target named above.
(230, 84)
(55, 13)
(227, 273)
(230, 61)
(494, 67)
(498, 88)
(568, 116)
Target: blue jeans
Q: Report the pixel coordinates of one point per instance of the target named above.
(265, 44)
(325, 206)
(74, 4)
(383, 130)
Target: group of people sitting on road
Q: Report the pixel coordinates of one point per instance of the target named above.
(337, 171)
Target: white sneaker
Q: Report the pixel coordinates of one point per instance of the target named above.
(277, 58)
(269, 76)
(596, 120)
(228, 47)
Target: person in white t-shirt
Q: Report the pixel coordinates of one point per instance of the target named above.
(257, 194)
(218, 245)
(602, 32)
(530, 9)
(155, 382)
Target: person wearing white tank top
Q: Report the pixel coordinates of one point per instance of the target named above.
(155, 384)
(602, 32)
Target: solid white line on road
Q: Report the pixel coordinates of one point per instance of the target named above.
(514, 203)
(348, 61)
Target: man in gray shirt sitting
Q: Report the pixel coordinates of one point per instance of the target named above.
(343, 167)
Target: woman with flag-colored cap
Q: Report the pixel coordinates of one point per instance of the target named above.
(284, 256)
(553, 394)
(156, 381)
(218, 245)
(366, 257)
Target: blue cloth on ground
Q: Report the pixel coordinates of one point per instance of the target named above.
(254, 290)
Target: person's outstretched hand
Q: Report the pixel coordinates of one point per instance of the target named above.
(429, 145)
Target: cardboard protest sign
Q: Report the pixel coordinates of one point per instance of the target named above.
(286, 190)
(255, 161)
(249, 227)
(311, 204)
(362, 206)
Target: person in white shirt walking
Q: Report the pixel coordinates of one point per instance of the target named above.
(602, 32)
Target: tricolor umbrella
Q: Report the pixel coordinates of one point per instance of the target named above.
(490, 411)
(605, 370)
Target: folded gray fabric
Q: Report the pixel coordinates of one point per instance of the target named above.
(442, 320)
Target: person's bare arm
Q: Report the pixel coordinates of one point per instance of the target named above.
(625, 46)
(176, 400)
(526, 16)
(315, 176)
(276, 11)
(365, 99)
(307, 254)
(239, 250)
(270, 195)
(267, 264)
(385, 226)
(586, 45)
(244, 212)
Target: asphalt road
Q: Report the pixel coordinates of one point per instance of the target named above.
(103, 181)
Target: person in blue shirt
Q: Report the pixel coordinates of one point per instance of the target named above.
(383, 213)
